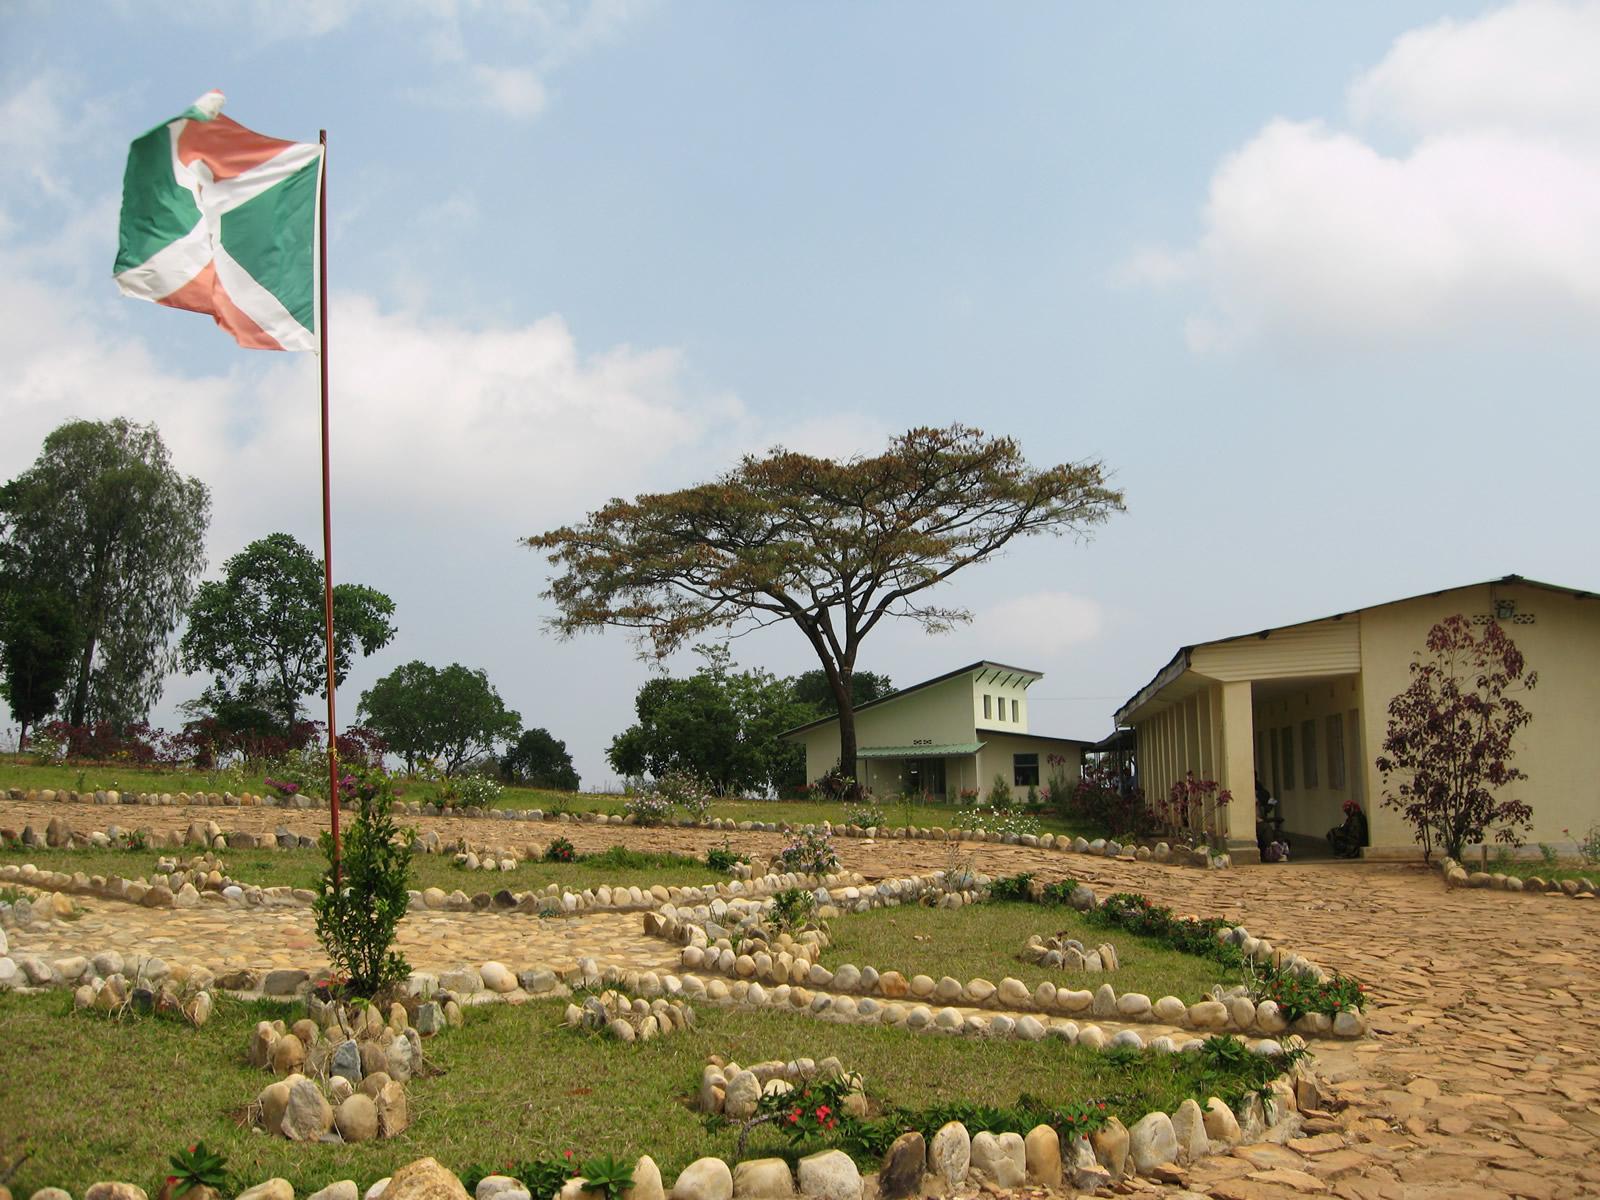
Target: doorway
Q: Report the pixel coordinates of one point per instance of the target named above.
(925, 777)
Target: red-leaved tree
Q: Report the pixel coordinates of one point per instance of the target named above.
(1449, 745)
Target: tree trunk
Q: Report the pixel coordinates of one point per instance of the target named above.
(843, 698)
(80, 693)
(22, 737)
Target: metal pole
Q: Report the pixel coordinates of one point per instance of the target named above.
(327, 515)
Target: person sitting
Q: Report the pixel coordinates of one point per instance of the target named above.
(1347, 840)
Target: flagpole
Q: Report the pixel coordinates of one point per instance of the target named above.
(327, 514)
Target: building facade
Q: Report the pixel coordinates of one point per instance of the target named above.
(1304, 709)
(947, 736)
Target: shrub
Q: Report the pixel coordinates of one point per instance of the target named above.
(835, 785)
(791, 908)
(363, 899)
(1452, 735)
(810, 853)
(1000, 792)
(1003, 819)
(1100, 801)
(868, 814)
(647, 808)
(674, 791)
(560, 850)
(1297, 994)
(198, 1167)
(723, 857)
(1012, 887)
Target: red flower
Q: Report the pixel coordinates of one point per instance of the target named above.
(823, 1110)
(568, 1153)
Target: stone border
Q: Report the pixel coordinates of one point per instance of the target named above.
(1457, 876)
(1162, 852)
(798, 980)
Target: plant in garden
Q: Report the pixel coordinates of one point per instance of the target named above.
(791, 908)
(1588, 845)
(835, 785)
(1079, 1118)
(198, 1167)
(607, 1175)
(560, 850)
(810, 1111)
(723, 857)
(1000, 792)
(968, 795)
(867, 814)
(648, 807)
(1007, 818)
(1450, 739)
(811, 852)
(1547, 852)
(1102, 799)
(358, 908)
(1297, 994)
(1012, 887)
(1183, 811)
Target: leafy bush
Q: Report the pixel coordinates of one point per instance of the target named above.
(1101, 801)
(810, 853)
(1135, 913)
(1297, 994)
(674, 791)
(791, 908)
(812, 1109)
(363, 899)
(607, 1175)
(1000, 792)
(836, 785)
(1012, 887)
(868, 814)
(1003, 819)
(560, 850)
(1589, 846)
(723, 857)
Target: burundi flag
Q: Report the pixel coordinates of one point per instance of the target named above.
(223, 221)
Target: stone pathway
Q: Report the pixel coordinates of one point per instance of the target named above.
(266, 938)
(1482, 1081)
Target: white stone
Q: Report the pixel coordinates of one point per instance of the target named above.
(950, 1153)
(829, 1175)
(1152, 1141)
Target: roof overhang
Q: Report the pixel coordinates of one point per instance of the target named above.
(954, 750)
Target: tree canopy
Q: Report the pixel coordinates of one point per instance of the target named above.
(452, 715)
(832, 546)
(721, 724)
(103, 522)
(812, 688)
(538, 759)
(38, 634)
(259, 629)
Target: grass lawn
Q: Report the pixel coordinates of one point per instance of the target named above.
(983, 940)
(303, 868)
(19, 771)
(93, 1100)
(1522, 868)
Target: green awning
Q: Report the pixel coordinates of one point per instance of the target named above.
(955, 750)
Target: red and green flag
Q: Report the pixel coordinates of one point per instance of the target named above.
(221, 220)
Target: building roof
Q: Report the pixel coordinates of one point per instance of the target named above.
(1180, 661)
(955, 749)
(981, 665)
(1034, 737)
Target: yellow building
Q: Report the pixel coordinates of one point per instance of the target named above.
(1305, 708)
(950, 734)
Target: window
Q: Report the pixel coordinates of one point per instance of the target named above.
(1308, 752)
(1336, 751)
(1025, 769)
(999, 708)
(1014, 712)
(987, 703)
(1286, 736)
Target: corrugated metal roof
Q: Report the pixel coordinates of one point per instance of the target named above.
(956, 748)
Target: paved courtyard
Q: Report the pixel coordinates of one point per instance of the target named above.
(1482, 1079)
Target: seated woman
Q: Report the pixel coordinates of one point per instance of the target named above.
(1347, 840)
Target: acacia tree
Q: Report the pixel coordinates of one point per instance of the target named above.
(833, 546)
(453, 715)
(104, 522)
(1449, 743)
(259, 629)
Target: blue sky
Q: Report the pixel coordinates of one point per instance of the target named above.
(1318, 283)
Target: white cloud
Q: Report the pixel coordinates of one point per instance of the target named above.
(1489, 219)
(1037, 625)
(511, 91)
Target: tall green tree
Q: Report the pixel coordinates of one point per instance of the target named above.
(452, 715)
(833, 547)
(539, 759)
(103, 521)
(38, 637)
(259, 629)
(812, 688)
(724, 725)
